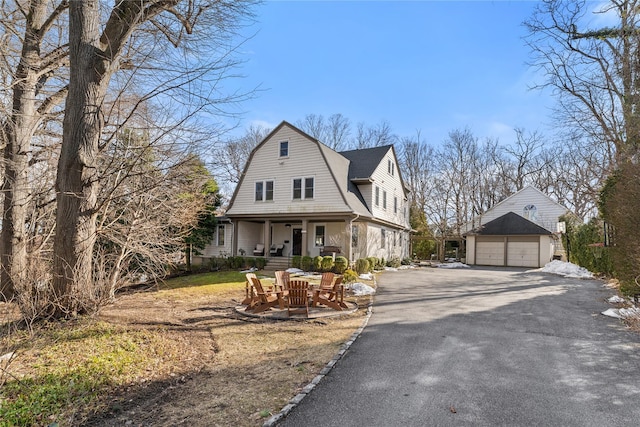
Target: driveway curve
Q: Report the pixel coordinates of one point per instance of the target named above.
(482, 347)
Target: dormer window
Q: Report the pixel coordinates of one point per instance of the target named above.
(284, 148)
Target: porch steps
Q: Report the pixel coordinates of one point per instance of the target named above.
(278, 263)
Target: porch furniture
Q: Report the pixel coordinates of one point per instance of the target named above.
(333, 297)
(298, 297)
(276, 250)
(330, 250)
(248, 289)
(264, 299)
(282, 280)
(259, 250)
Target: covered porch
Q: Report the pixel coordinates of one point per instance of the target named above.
(294, 236)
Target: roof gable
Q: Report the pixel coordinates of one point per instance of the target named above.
(510, 224)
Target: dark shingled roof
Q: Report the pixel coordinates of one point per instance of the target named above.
(365, 161)
(510, 224)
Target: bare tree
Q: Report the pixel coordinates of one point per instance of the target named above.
(230, 159)
(416, 159)
(31, 59)
(96, 53)
(373, 136)
(594, 70)
(332, 132)
(596, 75)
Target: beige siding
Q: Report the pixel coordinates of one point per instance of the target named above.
(213, 250)
(392, 185)
(249, 234)
(304, 160)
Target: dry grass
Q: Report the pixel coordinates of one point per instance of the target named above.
(179, 355)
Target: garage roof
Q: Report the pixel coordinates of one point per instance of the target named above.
(510, 224)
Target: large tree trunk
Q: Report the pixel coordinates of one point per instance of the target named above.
(76, 182)
(19, 130)
(93, 58)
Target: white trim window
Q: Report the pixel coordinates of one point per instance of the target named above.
(384, 199)
(395, 205)
(383, 238)
(220, 235)
(377, 196)
(284, 148)
(391, 167)
(354, 235)
(300, 192)
(319, 235)
(264, 191)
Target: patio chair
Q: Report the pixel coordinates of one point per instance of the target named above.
(276, 250)
(248, 289)
(259, 250)
(282, 280)
(333, 297)
(298, 297)
(326, 282)
(264, 299)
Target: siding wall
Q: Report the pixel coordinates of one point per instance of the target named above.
(213, 250)
(392, 184)
(304, 160)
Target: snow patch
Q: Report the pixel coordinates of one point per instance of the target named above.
(566, 269)
(360, 289)
(615, 300)
(366, 276)
(622, 313)
(453, 265)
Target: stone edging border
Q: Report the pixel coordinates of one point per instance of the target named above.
(274, 419)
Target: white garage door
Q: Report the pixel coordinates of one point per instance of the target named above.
(490, 250)
(523, 252)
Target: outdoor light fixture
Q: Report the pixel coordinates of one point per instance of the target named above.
(288, 225)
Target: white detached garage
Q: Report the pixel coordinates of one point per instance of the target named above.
(510, 241)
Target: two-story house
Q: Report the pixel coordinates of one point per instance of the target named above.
(297, 192)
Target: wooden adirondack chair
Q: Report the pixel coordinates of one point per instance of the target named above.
(264, 299)
(326, 282)
(249, 294)
(333, 297)
(282, 280)
(298, 297)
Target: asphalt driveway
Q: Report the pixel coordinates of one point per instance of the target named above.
(482, 347)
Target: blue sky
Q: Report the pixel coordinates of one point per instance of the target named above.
(433, 66)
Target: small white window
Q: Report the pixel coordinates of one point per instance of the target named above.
(354, 236)
(220, 236)
(284, 148)
(377, 196)
(383, 238)
(384, 200)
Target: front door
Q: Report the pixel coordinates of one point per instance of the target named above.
(296, 247)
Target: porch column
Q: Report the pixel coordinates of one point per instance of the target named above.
(234, 239)
(267, 236)
(304, 250)
(348, 224)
